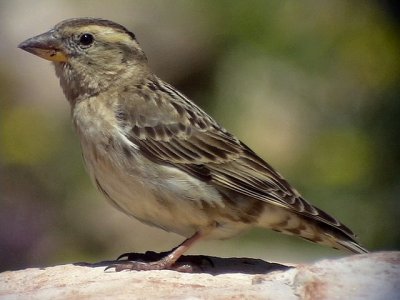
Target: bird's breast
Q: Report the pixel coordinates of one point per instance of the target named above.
(156, 194)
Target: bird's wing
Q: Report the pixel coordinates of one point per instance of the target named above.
(170, 129)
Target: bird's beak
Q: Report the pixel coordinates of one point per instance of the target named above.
(46, 46)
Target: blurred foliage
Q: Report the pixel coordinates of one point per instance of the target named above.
(17, 132)
(312, 86)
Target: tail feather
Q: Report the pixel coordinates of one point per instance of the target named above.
(336, 240)
(311, 229)
(330, 236)
(352, 246)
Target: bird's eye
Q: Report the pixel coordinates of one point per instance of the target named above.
(86, 39)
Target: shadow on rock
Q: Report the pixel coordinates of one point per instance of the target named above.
(202, 264)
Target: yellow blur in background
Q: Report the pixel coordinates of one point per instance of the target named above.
(311, 86)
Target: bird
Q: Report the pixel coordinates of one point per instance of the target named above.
(158, 157)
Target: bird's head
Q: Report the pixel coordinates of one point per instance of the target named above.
(89, 54)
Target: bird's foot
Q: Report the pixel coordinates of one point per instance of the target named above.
(160, 261)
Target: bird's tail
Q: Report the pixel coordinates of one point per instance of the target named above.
(349, 245)
(313, 230)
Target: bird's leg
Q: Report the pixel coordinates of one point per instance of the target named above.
(166, 262)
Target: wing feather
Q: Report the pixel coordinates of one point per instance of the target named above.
(177, 132)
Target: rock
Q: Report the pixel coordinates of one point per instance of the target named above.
(366, 276)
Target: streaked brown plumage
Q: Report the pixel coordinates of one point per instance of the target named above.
(158, 157)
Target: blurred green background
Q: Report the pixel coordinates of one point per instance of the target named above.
(312, 86)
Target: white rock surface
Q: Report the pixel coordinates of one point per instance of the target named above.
(367, 276)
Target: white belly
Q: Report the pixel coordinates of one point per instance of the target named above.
(155, 194)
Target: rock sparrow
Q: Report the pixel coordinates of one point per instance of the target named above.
(158, 157)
